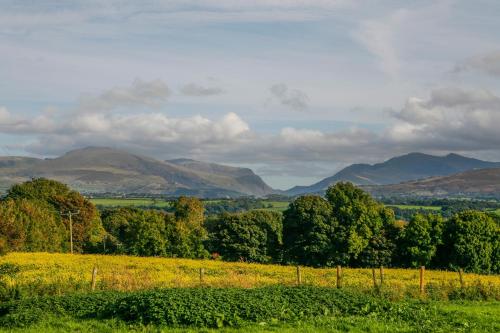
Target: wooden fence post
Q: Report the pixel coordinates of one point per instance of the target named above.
(202, 275)
(374, 277)
(339, 276)
(299, 276)
(381, 275)
(94, 278)
(461, 275)
(422, 282)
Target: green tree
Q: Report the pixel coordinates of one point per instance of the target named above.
(308, 231)
(135, 231)
(363, 227)
(185, 230)
(88, 232)
(254, 236)
(471, 241)
(32, 226)
(420, 239)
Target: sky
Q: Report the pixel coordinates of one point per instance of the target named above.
(294, 89)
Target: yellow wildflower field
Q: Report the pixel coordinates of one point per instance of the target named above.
(51, 273)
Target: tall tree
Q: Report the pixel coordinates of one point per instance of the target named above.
(471, 241)
(363, 225)
(185, 231)
(308, 231)
(253, 236)
(420, 239)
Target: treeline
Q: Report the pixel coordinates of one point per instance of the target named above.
(448, 207)
(346, 227)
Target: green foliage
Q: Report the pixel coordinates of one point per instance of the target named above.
(362, 226)
(308, 231)
(314, 309)
(87, 228)
(185, 231)
(38, 189)
(154, 233)
(198, 307)
(135, 231)
(420, 239)
(254, 236)
(29, 225)
(471, 241)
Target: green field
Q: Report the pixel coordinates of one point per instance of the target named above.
(159, 203)
(276, 205)
(130, 202)
(415, 207)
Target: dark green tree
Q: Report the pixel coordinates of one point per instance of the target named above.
(420, 239)
(471, 241)
(254, 236)
(362, 227)
(308, 232)
(135, 231)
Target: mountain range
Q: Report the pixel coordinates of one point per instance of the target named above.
(107, 170)
(474, 183)
(101, 170)
(413, 166)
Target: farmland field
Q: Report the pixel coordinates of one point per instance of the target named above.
(132, 202)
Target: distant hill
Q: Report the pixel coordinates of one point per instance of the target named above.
(399, 169)
(475, 183)
(100, 170)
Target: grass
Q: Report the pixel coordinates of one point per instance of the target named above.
(44, 273)
(416, 207)
(158, 203)
(132, 202)
(278, 206)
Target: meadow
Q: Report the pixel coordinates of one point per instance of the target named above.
(57, 274)
(44, 292)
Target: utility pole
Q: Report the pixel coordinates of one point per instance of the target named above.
(70, 215)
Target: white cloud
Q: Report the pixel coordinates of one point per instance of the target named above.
(451, 119)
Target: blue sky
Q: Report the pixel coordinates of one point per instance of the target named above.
(293, 89)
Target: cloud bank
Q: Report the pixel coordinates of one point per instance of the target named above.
(451, 119)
